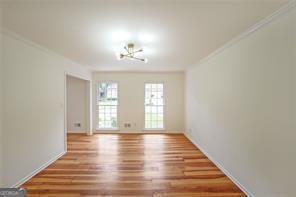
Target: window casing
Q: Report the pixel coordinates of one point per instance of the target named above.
(107, 105)
(154, 106)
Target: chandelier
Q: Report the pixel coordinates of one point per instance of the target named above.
(130, 53)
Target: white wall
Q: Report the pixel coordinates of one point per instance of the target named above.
(241, 106)
(131, 98)
(76, 104)
(1, 107)
(34, 91)
(1, 104)
(1, 117)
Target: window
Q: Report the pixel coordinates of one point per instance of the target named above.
(107, 103)
(154, 106)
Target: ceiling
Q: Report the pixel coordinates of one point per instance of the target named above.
(173, 33)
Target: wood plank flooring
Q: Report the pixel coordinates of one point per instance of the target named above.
(132, 165)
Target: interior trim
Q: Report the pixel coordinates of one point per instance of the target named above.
(138, 132)
(7, 32)
(36, 171)
(220, 166)
(275, 15)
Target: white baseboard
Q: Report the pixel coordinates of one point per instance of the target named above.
(29, 176)
(220, 166)
(76, 132)
(139, 132)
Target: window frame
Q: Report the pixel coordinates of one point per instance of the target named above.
(97, 106)
(164, 107)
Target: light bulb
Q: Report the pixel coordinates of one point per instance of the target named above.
(146, 60)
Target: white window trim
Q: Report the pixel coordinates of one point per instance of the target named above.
(96, 114)
(164, 107)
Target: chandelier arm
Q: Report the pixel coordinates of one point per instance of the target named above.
(131, 57)
(127, 54)
(138, 51)
(140, 59)
(126, 49)
(130, 52)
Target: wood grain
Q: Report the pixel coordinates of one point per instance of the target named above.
(132, 165)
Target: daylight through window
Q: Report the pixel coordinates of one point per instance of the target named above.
(154, 106)
(107, 103)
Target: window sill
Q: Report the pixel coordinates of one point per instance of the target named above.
(153, 129)
(102, 129)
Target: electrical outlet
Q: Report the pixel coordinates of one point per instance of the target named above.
(127, 125)
(77, 124)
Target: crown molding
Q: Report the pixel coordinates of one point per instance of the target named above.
(7, 32)
(275, 15)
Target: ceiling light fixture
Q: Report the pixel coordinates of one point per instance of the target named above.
(130, 53)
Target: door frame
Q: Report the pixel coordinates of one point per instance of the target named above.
(89, 104)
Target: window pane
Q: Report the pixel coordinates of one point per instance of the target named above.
(107, 105)
(147, 86)
(160, 86)
(153, 110)
(154, 106)
(147, 109)
(148, 94)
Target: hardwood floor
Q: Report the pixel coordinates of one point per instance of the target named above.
(131, 165)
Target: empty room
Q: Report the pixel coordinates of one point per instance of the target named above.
(183, 98)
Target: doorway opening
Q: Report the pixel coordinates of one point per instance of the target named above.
(77, 105)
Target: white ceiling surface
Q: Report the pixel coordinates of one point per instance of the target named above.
(174, 34)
